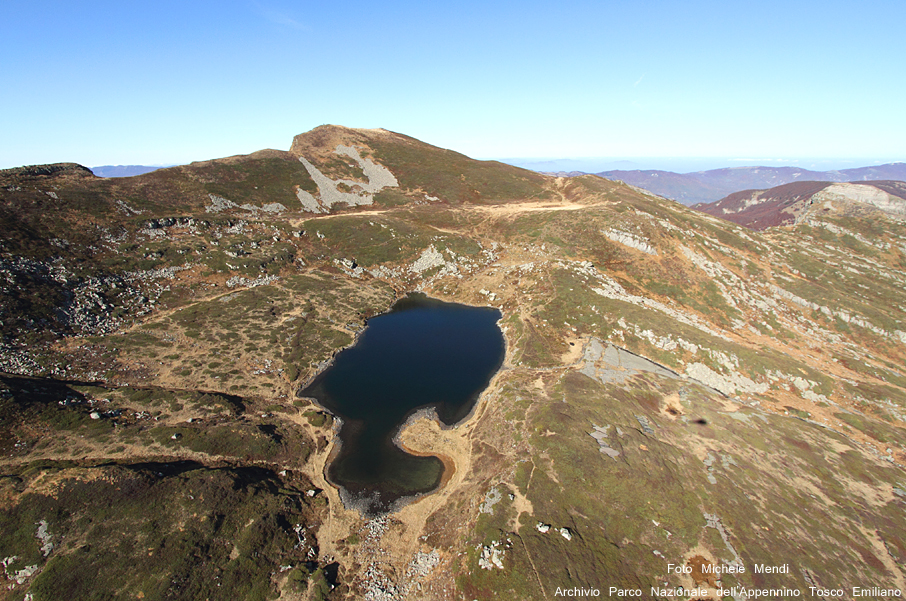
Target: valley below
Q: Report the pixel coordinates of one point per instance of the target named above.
(681, 399)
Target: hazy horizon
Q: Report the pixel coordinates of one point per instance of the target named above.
(687, 164)
(674, 164)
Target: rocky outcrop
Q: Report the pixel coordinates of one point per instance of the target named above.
(728, 384)
(600, 435)
(866, 194)
(491, 556)
(611, 364)
(429, 258)
(219, 204)
(630, 240)
(239, 281)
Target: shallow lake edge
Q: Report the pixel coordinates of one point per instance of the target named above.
(427, 411)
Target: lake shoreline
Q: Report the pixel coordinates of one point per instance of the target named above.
(456, 342)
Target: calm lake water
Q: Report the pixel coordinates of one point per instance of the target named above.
(423, 353)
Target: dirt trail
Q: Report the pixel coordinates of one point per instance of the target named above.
(297, 222)
(532, 207)
(497, 209)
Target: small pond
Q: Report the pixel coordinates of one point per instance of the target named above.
(424, 353)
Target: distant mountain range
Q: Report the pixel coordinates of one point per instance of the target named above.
(715, 184)
(124, 170)
(783, 205)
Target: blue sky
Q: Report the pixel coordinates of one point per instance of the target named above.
(169, 82)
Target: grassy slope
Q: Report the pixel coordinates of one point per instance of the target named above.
(785, 489)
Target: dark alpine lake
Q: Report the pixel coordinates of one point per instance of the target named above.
(423, 353)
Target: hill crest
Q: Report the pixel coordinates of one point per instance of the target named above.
(789, 203)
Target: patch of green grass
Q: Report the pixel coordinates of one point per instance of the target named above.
(879, 431)
(319, 419)
(257, 181)
(157, 532)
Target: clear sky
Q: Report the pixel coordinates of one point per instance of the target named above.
(163, 82)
